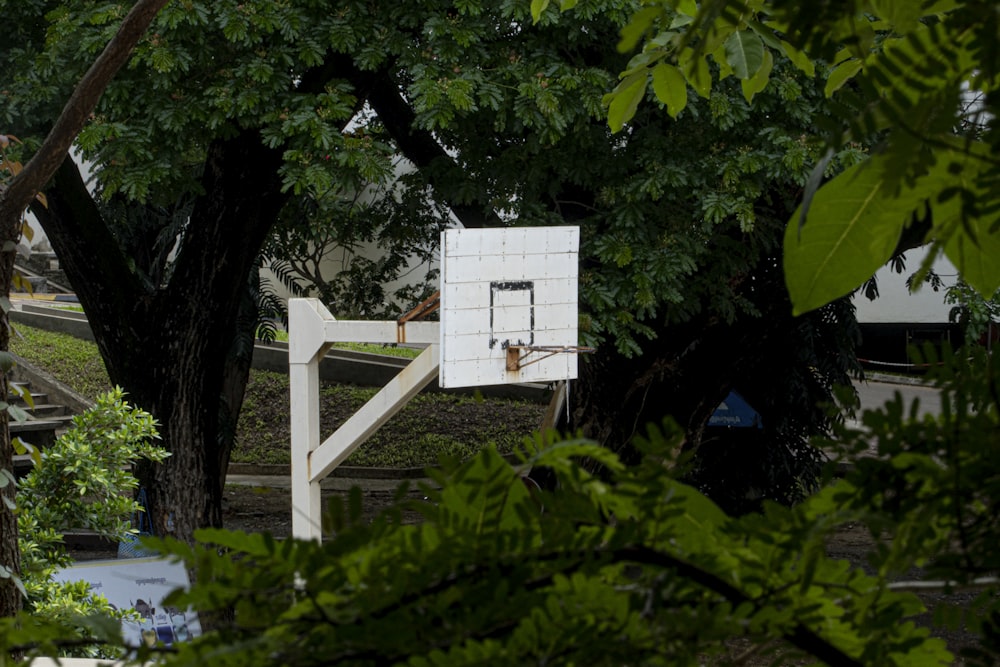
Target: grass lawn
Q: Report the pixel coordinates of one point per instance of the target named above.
(430, 426)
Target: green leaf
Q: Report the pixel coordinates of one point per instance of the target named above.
(641, 21)
(537, 7)
(686, 7)
(23, 393)
(486, 493)
(625, 100)
(719, 55)
(22, 447)
(7, 573)
(799, 59)
(696, 72)
(745, 53)
(7, 361)
(670, 88)
(977, 256)
(902, 14)
(758, 81)
(852, 228)
(17, 413)
(971, 237)
(840, 75)
(101, 626)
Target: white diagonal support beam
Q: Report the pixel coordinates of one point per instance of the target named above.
(311, 331)
(373, 414)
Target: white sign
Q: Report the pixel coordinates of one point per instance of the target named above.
(140, 584)
(503, 288)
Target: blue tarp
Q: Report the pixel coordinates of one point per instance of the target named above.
(735, 412)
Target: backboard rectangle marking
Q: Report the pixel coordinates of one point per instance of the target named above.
(507, 313)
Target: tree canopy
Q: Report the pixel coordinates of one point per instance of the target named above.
(916, 80)
(231, 115)
(683, 222)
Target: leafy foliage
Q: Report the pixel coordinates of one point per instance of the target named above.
(82, 482)
(977, 316)
(347, 250)
(919, 78)
(933, 483)
(629, 568)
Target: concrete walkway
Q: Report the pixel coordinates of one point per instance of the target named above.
(339, 483)
(880, 389)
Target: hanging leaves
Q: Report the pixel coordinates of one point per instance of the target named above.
(744, 53)
(670, 88)
(758, 81)
(851, 230)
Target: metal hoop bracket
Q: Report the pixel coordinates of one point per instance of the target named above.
(516, 354)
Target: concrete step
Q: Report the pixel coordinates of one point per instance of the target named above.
(16, 397)
(47, 410)
(45, 422)
(37, 432)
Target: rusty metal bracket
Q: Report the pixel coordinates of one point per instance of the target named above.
(516, 354)
(420, 311)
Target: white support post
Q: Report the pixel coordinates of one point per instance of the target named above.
(306, 504)
(306, 319)
(311, 330)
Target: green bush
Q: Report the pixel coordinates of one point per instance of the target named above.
(626, 567)
(82, 482)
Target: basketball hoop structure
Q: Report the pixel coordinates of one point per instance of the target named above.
(508, 306)
(518, 354)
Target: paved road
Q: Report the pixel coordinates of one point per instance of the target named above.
(875, 394)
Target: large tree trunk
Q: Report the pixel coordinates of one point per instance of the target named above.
(173, 347)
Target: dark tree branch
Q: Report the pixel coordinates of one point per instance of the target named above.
(88, 91)
(422, 149)
(83, 241)
(798, 634)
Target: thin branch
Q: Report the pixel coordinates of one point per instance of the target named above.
(75, 114)
(799, 634)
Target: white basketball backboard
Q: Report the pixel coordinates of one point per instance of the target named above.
(502, 288)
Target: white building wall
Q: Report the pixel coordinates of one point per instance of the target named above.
(896, 304)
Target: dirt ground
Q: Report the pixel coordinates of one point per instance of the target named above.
(260, 509)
